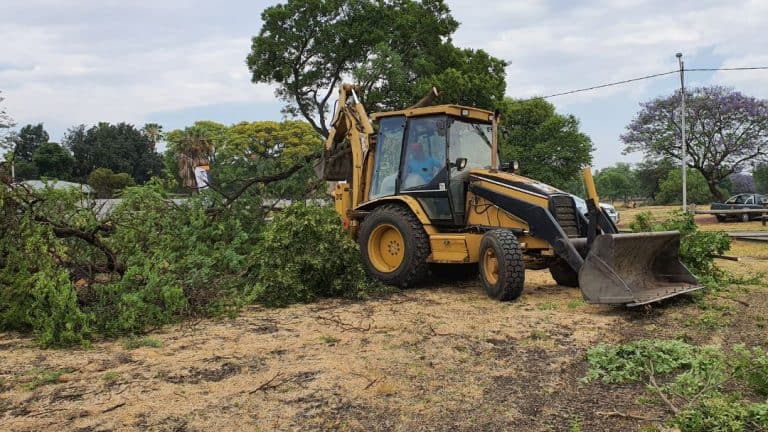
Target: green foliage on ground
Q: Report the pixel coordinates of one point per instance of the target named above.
(305, 254)
(697, 248)
(705, 387)
(66, 275)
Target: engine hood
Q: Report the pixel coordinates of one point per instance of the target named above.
(515, 181)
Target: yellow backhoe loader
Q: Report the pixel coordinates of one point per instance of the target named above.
(424, 185)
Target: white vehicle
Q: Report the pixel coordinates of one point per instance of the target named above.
(609, 209)
(611, 212)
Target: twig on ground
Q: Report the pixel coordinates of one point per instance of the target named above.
(655, 386)
(113, 407)
(344, 326)
(267, 385)
(626, 415)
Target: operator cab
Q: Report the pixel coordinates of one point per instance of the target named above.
(427, 153)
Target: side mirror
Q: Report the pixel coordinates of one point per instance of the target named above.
(460, 163)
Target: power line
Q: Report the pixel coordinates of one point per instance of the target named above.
(609, 84)
(727, 69)
(645, 78)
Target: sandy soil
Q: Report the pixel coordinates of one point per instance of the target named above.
(442, 357)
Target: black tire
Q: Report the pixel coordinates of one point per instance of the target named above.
(510, 276)
(563, 274)
(414, 267)
(720, 218)
(745, 217)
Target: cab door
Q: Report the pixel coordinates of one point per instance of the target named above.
(424, 167)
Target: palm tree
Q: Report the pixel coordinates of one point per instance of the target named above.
(154, 132)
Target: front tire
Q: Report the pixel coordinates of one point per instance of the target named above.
(502, 270)
(745, 217)
(394, 246)
(563, 274)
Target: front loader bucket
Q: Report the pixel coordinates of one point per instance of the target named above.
(635, 269)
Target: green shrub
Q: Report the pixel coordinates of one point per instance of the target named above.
(723, 414)
(697, 248)
(631, 362)
(698, 380)
(305, 254)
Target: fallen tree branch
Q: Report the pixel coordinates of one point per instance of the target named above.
(344, 326)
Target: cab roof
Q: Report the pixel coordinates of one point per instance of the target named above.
(452, 110)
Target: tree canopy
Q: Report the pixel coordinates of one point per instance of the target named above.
(617, 182)
(725, 132)
(120, 147)
(549, 146)
(53, 161)
(27, 140)
(760, 174)
(246, 150)
(395, 49)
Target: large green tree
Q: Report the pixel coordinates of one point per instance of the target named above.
(726, 131)
(53, 161)
(395, 49)
(120, 147)
(27, 140)
(617, 182)
(650, 173)
(549, 146)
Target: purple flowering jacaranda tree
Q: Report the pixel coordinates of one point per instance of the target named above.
(725, 131)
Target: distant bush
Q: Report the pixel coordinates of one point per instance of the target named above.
(696, 185)
(105, 182)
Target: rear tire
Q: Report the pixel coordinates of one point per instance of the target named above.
(394, 246)
(502, 270)
(720, 218)
(745, 217)
(563, 274)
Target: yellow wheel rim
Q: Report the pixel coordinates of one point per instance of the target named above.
(490, 266)
(386, 248)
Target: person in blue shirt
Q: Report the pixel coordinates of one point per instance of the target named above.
(422, 164)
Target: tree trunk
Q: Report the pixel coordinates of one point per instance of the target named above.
(715, 191)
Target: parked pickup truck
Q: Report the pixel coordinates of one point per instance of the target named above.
(741, 201)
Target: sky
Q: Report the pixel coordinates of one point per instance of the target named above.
(173, 62)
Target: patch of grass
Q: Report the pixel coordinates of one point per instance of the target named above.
(133, 343)
(111, 376)
(575, 425)
(709, 321)
(547, 306)
(330, 340)
(575, 304)
(41, 377)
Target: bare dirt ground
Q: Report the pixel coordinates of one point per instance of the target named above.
(442, 357)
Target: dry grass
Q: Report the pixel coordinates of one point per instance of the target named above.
(440, 357)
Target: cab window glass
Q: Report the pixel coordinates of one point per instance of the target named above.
(424, 152)
(388, 149)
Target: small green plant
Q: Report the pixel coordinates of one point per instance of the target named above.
(547, 306)
(330, 340)
(133, 342)
(575, 304)
(575, 425)
(111, 376)
(41, 377)
(711, 320)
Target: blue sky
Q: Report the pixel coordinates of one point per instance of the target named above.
(174, 62)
